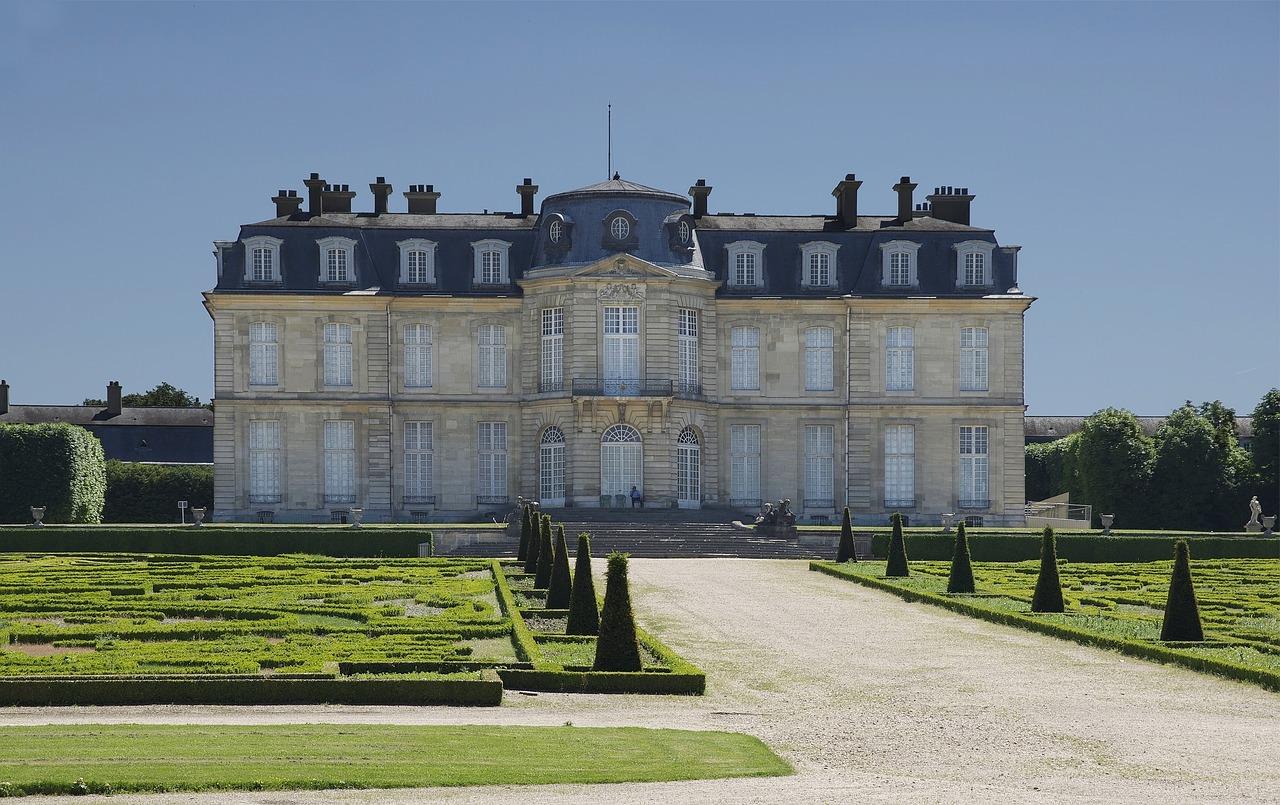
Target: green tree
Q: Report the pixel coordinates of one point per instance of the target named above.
(1051, 468)
(1266, 451)
(1113, 463)
(1181, 612)
(961, 577)
(1048, 594)
(542, 579)
(560, 588)
(526, 531)
(584, 616)
(617, 648)
(164, 395)
(1191, 474)
(846, 552)
(897, 565)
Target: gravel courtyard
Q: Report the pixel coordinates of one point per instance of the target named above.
(868, 696)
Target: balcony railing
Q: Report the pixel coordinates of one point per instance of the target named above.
(974, 503)
(339, 498)
(634, 387)
(899, 503)
(819, 503)
(264, 498)
(550, 386)
(420, 500)
(745, 503)
(491, 500)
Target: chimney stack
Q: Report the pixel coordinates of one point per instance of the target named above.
(846, 194)
(315, 194)
(114, 406)
(4, 397)
(903, 188)
(951, 204)
(287, 203)
(700, 191)
(381, 192)
(337, 198)
(527, 191)
(422, 199)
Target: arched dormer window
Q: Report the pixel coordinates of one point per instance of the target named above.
(818, 264)
(491, 262)
(898, 269)
(746, 264)
(974, 267)
(620, 231)
(337, 260)
(262, 259)
(417, 261)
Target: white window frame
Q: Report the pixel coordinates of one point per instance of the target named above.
(819, 466)
(887, 250)
(264, 353)
(551, 366)
(744, 463)
(340, 475)
(418, 348)
(744, 358)
(272, 245)
(963, 252)
(975, 466)
(899, 358)
(491, 356)
(811, 274)
(687, 348)
(479, 249)
(623, 373)
(975, 357)
(419, 461)
(745, 247)
(339, 368)
(688, 469)
(266, 460)
(551, 467)
(338, 245)
(619, 227)
(417, 246)
(819, 358)
(899, 466)
(491, 453)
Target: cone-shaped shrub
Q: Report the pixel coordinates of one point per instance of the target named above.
(543, 578)
(560, 588)
(897, 550)
(846, 552)
(1048, 595)
(526, 529)
(961, 579)
(531, 550)
(584, 617)
(1181, 612)
(617, 648)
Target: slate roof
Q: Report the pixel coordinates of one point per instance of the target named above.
(618, 186)
(823, 223)
(156, 435)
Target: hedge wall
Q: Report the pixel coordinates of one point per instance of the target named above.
(58, 466)
(149, 493)
(222, 539)
(1080, 548)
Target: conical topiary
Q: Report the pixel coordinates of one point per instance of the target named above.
(542, 579)
(560, 588)
(846, 552)
(617, 648)
(897, 565)
(532, 550)
(526, 529)
(1181, 612)
(961, 578)
(584, 617)
(1048, 595)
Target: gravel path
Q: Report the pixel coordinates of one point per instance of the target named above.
(868, 696)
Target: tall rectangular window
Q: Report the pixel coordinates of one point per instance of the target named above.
(493, 356)
(975, 268)
(417, 356)
(687, 338)
(900, 466)
(418, 463)
(337, 354)
(263, 265)
(337, 265)
(264, 461)
(744, 464)
(491, 267)
(418, 266)
(491, 449)
(819, 269)
(899, 359)
(744, 358)
(973, 359)
(746, 270)
(819, 347)
(819, 461)
(900, 268)
(621, 350)
(974, 493)
(552, 377)
(264, 354)
(339, 461)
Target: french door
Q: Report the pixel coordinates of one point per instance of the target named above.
(621, 351)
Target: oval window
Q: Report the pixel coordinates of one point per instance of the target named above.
(620, 228)
(555, 231)
(684, 231)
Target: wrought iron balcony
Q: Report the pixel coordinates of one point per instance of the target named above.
(550, 386)
(635, 387)
(899, 503)
(745, 503)
(491, 500)
(420, 500)
(819, 503)
(974, 503)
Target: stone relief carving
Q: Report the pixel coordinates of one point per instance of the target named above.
(621, 290)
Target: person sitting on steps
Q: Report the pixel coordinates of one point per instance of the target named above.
(637, 499)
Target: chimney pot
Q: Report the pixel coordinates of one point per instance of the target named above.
(526, 191)
(846, 193)
(904, 188)
(422, 199)
(382, 180)
(287, 203)
(114, 396)
(951, 204)
(4, 396)
(315, 194)
(381, 192)
(700, 191)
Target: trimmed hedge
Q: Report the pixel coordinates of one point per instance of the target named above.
(149, 493)
(939, 547)
(603, 681)
(225, 540)
(58, 466)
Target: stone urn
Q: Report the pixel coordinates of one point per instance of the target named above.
(1269, 523)
(37, 516)
(197, 516)
(946, 522)
(1107, 520)
(357, 514)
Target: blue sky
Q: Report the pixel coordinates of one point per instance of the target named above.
(1132, 150)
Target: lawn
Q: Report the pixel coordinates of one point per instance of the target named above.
(1118, 605)
(128, 757)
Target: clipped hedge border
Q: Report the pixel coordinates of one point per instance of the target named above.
(220, 540)
(938, 547)
(1134, 648)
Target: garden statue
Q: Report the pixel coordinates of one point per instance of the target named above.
(197, 516)
(786, 517)
(357, 514)
(946, 522)
(767, 517)
(37, 514)
(1269, 523)
(1255, 510)
(1107, 520)
(777, 520)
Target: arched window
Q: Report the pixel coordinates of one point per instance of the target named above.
(621, 461)
(555, 231)
(619, 227)
(688, 470)
(684, 231)
(551, 467)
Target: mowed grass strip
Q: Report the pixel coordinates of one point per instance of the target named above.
(169, 758)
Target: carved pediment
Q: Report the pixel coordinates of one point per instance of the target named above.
(623, 265)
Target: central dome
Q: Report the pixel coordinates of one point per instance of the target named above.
(619, 186)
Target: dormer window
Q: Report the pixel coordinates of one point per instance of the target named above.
(684, 232)
(620, 228)
(491, 262)
(337, 260)
(417, 261)
(262, 259)
(898, 267)
(819, 264)
(620, 231)
(746, 264)
(973, 264)
(555, 231)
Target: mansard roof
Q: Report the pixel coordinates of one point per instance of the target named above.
(620, 186)
(752, 222)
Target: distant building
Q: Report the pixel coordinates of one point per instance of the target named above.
(145, 435)
(1040, 429)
